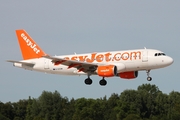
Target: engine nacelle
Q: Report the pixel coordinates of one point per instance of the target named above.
(107, 71)
(120, 67)
(129, 75)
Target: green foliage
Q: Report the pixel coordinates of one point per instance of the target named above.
(2, 117)
(132, 117)
(6, 110)
(19, 109)
(174, 103)
(145, 103)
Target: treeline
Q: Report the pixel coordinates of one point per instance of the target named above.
(145, 103)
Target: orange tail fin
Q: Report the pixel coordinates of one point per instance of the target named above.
(29, 48)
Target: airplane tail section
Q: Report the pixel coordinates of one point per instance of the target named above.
(28, 46)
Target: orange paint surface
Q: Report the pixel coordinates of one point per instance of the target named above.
(107, 57)
(28, 46)
(128, 75)
(106, 71)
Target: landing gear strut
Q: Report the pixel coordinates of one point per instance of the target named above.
(148, 78)
(103, 82)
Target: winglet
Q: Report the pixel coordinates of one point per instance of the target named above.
(28, 46)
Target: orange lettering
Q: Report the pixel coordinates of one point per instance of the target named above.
(136, 54)
(92, 58)
(82, 58)
(107, 55)
(124, 57)
(66, 58)
(99, 58)
(74, 58)
(117, 57)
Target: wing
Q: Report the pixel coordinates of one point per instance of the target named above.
(80, 65)
(23, 63)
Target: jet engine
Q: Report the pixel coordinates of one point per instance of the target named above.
(129, 75)
(107, 71)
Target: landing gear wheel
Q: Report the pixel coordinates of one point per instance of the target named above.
(149, 78)
(102, 82)
(88, 81)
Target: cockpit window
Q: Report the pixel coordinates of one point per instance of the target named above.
(159, 54)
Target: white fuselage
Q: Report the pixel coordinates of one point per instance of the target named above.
(132, 60)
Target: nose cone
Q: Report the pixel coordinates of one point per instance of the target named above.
(169, 60)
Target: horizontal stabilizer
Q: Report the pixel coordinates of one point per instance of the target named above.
(23, 63)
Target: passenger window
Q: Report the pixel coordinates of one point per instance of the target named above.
(155, 54)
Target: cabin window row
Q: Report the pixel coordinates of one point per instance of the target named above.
(159, 54)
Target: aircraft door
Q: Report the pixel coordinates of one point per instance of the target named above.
(145, 56)
(46, 64)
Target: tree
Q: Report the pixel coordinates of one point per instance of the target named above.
(132, 117)
(147, 103)
(49, 106)
(174, 109)
(161, 107)
(130, 103)
(148, 94)
(88, 109)
(19, 109)
(2, 117)
(6, 110)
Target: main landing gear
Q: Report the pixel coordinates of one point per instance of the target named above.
(103, 82)
(148, 78)
(88, 81)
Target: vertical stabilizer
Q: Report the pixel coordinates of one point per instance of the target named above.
(28, 46)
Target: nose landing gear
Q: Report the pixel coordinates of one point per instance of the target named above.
(148, 78)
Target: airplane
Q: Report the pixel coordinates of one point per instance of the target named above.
(124, 64)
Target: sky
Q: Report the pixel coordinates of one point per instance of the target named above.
(64, 27)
